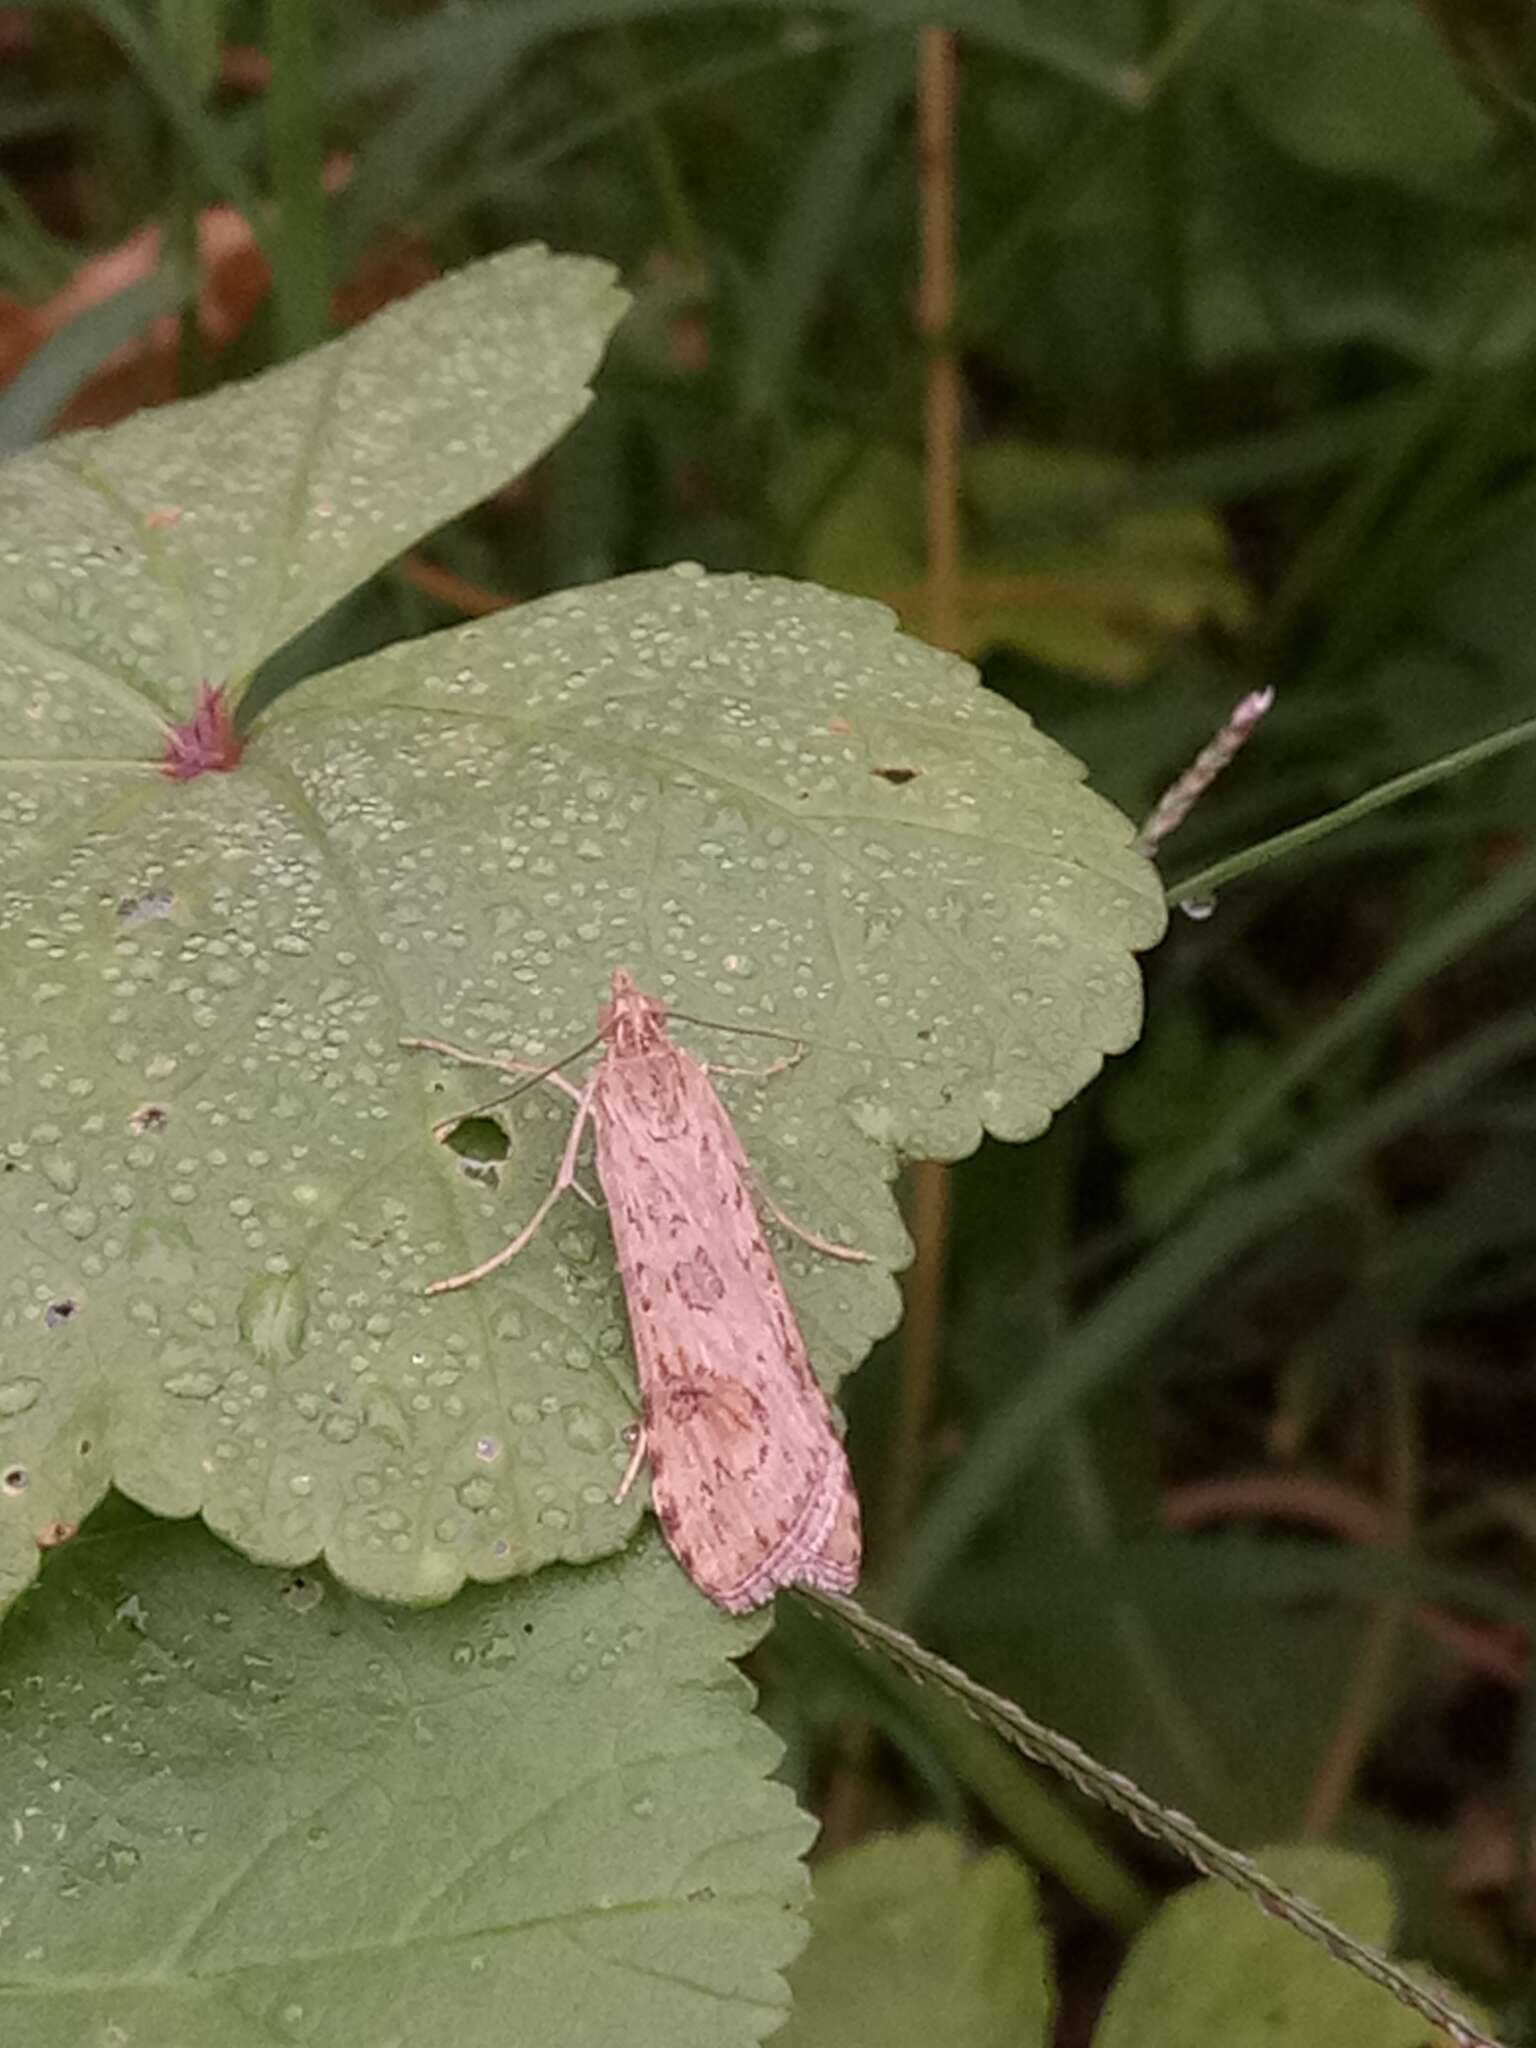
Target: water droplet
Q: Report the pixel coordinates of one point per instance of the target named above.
(78, 1218)
(301, 1591)
(475, 1494)
(1198, 908)
(585, 1430)
(61, 1172)
(339, 1428)
(273, 1312)
(487, 1449)
(554, 1518)
(17, 1396)
(194, 1386)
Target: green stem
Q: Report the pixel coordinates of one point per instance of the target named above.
(1043, 1745)
(301, 276)
(1252, 858)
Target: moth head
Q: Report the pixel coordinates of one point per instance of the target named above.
(630, 1021)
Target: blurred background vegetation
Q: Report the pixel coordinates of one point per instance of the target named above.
(1209, 1436)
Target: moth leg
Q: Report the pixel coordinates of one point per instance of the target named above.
(564, 1177)
(779, 1066)
(632, 1469)
(820, 1244)
(465, 1058)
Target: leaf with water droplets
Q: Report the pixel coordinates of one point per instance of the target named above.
(775, 810)
(248, 1807)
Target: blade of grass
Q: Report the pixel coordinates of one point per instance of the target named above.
(34, 397)
(819, 217)
(1164, 1824)
(498, 32)
(220, 173)
(931, 1731)
(301, 269)
(1107, 1342)
(1204, 880)
(34, 263)
(1500, 900)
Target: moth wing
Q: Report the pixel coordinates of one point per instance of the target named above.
(751, 1496)
(749, 1478)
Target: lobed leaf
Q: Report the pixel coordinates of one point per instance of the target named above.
(220, 1176)
(252, 1808)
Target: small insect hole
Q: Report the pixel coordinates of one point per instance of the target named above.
(897, 776)
(479, 1141)
(60, 1311)
(13, 1479)
(151, 1117)
(85, 1446)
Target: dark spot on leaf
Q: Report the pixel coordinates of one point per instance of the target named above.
(60, 1311)
(141, 909)
(85, 1446)
(897, 776)
(527, 1628)
(151, 1117)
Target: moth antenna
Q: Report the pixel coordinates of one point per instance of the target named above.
(791, 1038)
(461, 1116)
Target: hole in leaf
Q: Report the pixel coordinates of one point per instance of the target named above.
(152, 1117)
(897, 776)
(13, 1479)
(478, 1139)
(60, 1311)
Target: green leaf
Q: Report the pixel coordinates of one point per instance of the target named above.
(1210, 1972)
(1365, 89)
(253, 1809)
(222, 1183)
(1051, 568)
(915, 1942)
(189, 543)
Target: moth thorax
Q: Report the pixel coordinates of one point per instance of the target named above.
(632, 1022)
